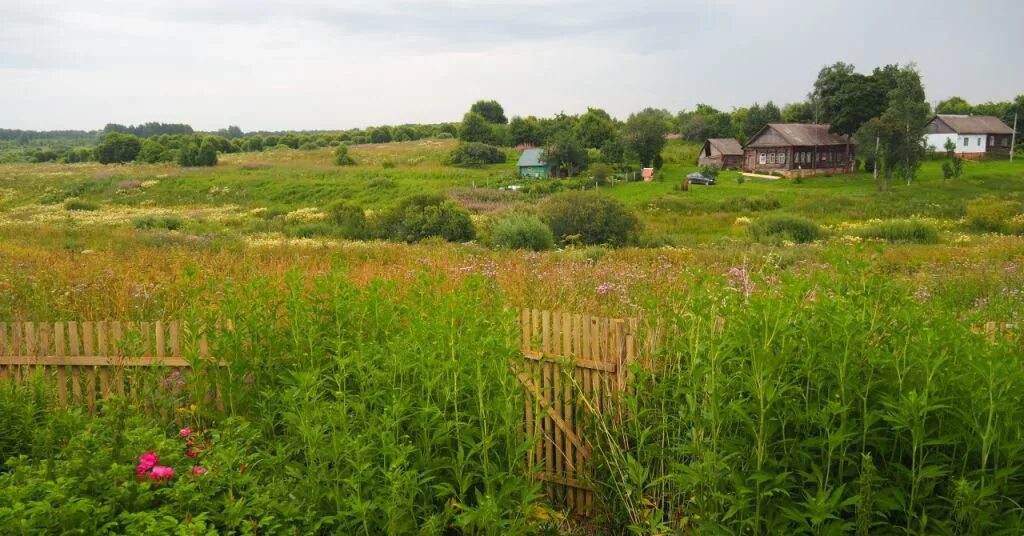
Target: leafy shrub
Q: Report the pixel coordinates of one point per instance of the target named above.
(170, 223)
(153, 152)
(341, 156)
(594, 218)
(751, 204)
(422, 216)
(476, 154)
(195, 154)
(600, 172)
(992, 215)
(308, 146)
(710, 171)
(778, 227)
(522, 231)
(117, 148)
(387, 164)
(80, 205)
(914, 231)
(349, 219)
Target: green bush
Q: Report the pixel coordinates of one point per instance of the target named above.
(349, 219)
(476, 154)
(589, 218)
(117, 148)
(80, 205)
(914, 231)
(153, 152)
(522, 231)
(775, 228)
(421, 216)
(341, 156)
(992, 215)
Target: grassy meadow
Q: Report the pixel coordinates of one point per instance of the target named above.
(865, 381)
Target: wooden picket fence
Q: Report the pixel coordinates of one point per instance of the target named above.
(575, 367)
(89, 361)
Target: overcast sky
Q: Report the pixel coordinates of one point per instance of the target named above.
(331, 64)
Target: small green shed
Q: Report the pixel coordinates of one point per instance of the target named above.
(532, 165)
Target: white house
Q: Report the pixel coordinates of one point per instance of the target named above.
(973, 135)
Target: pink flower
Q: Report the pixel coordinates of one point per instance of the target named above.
(190, 442)
(161, 473)
(186, 431)
(147, 461)
(198, 470)
(191, 453)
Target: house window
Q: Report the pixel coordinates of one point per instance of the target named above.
(762, 158)
(771, 158)
(979, 142)
(782, 157)
(966, 141)
(991, 140)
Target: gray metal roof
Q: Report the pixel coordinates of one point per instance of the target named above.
(727, 146)
(801, 134)
(532, 158)
(975, 124)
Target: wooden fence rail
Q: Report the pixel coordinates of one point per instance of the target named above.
(88, 361)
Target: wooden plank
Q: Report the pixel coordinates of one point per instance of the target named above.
(174, 334)
(115, 345)
(96, 361)
(90, 387)
(45, 338)
(145, 329)
(16, 336)
(582, 363)
(565, 481)
(30, 341)
(76, 384)
(4, 346)
(88, 339)
(102, 338)
(161, 341)
(74, 344)
(534, 390)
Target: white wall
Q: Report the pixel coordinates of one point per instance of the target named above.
(937, 142)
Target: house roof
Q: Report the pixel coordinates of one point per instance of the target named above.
(532, 158)
(974, 124)
(801, 134)
(727, 146)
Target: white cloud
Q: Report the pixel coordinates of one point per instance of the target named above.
(273, 64)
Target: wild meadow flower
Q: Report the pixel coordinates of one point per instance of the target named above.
(185, 432)
(161, 473)
(198, 470)
(147, 461)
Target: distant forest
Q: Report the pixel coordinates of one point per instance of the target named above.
(867, 106)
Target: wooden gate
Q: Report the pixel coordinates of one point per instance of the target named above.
(87, 361)
(574, 368)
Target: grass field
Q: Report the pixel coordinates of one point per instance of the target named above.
(852, 384)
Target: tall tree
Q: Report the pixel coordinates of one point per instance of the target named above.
(704, 122)
(566, 152)
(594, 128)
(899, 132)
(797, 112)
(117, 148)
(758, 116)
(953, 105)
(525, 131)
(644, 134)
(490, 110)
(846, 99)
(475, 127)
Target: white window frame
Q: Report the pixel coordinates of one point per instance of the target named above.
(762, 158)
(771, 157)
(782, 157)
(967, 141)
(979, 141)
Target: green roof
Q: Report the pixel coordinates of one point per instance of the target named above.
(532, 158)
